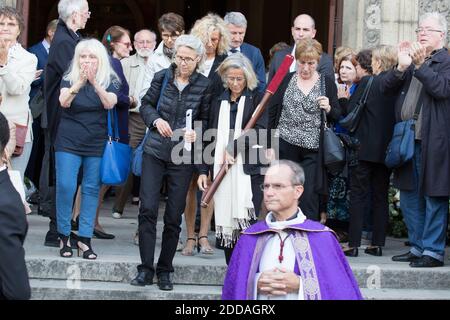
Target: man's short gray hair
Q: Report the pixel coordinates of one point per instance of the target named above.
(298, 174)
(236, 18)
(440, 19)
(67, 7)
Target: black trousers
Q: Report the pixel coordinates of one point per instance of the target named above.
(309, 201)
(47, 189)
(369, 179)
(33, 170)
(178, 179)
(257, 199)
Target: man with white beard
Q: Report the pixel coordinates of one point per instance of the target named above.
(134, 69)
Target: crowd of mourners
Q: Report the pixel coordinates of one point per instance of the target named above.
(59, 98)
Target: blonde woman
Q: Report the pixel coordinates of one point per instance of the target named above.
(88, 90)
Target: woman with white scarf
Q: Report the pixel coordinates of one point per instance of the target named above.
(237, 202)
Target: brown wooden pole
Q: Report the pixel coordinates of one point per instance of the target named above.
(271, 89)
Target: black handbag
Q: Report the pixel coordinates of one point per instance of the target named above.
(333, 150)
(37, 104)
(351, 121)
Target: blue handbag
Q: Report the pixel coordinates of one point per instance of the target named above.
(136, 164)
(401, 147)
(116, 160)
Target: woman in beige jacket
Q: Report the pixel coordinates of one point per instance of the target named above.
(17, 72)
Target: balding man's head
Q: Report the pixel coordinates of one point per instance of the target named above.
(145, 42)
(303, 27)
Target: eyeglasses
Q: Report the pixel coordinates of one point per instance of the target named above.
(187, 60)
(237, 79)
(9, 24)
(166, 36)
(275, 186)
(126, 44)
(427, 31)
(142, 42)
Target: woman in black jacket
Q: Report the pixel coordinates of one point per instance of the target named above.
(296, 111)
(213, 32)
(238, 199)
(174, 92)
(371, 177)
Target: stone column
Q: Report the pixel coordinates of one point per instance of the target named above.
(399, 21)
(10, 3)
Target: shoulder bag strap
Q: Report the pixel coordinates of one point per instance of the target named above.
(367, 91)
(163, 88)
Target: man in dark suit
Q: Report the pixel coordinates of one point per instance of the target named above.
(40, 50)
(237, 24)
(14, 284)
(303, 27)
(73, 16)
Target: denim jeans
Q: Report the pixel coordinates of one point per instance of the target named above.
(67, 167)
(426, 217)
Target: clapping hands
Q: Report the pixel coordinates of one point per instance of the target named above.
(88, 73)
(410, 53)
(4, 50)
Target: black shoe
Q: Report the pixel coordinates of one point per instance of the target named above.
(143, 279)
(164, 282)
(34, 198)
(51, 240)
(65, 250)
(426, 262)
(351, 252)
(374, 251)
(407, 257)
(103, 235)
(85, 249)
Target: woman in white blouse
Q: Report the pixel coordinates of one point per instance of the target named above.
(17, 72)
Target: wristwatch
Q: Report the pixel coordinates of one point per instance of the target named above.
(73, 92)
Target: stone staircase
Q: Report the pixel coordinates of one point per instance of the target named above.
(199, 277)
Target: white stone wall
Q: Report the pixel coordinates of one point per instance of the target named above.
(11, 3)
(368, 23)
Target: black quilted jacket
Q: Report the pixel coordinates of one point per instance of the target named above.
(172, 108)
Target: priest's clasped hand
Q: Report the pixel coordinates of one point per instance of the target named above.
(278, 282)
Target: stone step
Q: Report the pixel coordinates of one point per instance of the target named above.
(405, 294)
(199, 272)
(96, 290)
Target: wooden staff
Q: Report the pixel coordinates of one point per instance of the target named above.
(271, 90)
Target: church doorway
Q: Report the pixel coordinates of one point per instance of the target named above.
(269, 21)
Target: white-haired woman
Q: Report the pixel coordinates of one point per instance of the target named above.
(73, 16)
(88, 90)
(213, 32)
(238, 199)
(186, 89)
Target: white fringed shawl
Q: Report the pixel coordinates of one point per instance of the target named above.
(233, 204)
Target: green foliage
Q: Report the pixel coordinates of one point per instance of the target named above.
(397, 227)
